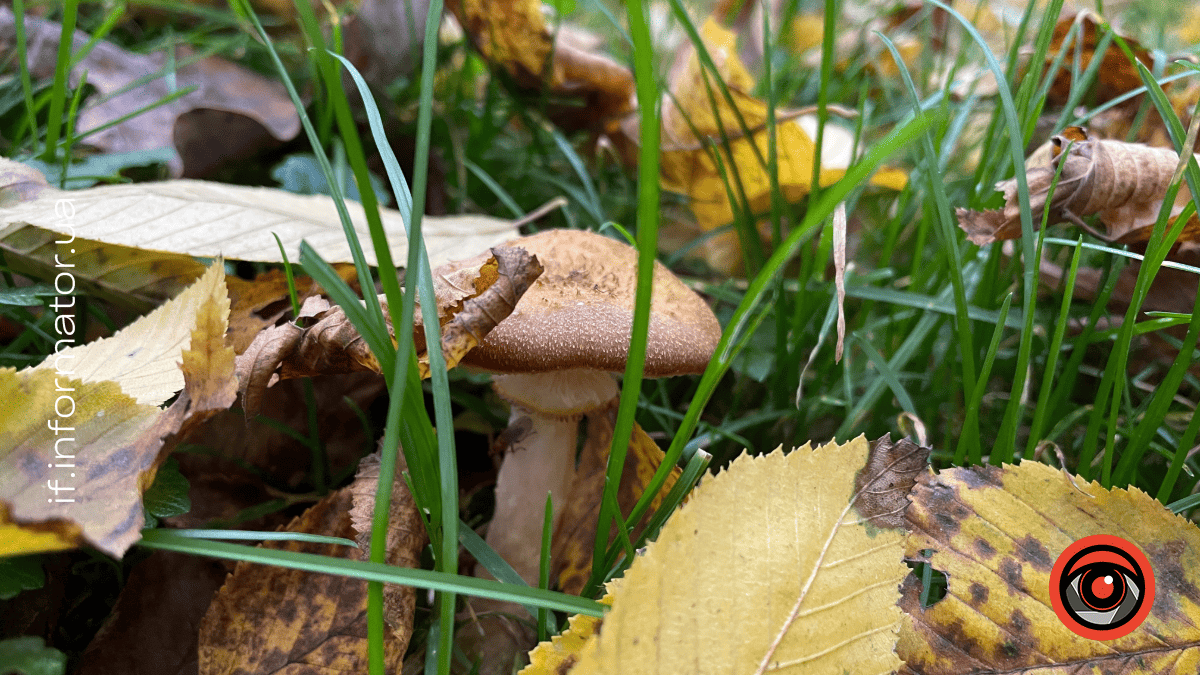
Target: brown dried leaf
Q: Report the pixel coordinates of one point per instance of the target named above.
(243, 101)
(514, 36)
(274, 619)
(575, 535)
(885, 481)
(406, 537)
(1123, 183)
(153, 627)
(261, 302)
(472, 297)
(1117, 74)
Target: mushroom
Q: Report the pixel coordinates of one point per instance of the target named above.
(555, 358)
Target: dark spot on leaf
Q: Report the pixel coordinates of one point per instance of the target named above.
(979, 476)
(941, 501)
(979, 594)
(566, 666)
(1032, 551)
(1010, 571)
(1010, 650)
(983, 549)
(1018, 621)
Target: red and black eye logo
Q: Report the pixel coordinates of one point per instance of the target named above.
(1102, 587)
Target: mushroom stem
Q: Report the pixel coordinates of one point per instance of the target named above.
(542, 458)
(543, 461)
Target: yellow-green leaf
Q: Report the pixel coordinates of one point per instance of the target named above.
(782, 563)
(996, 534)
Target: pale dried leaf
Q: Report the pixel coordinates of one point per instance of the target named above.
(1124, 183)
(203, 219)
(221, 87)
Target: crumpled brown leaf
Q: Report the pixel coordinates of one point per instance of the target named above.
(233, 112)
(472, 297)
(1123, 183)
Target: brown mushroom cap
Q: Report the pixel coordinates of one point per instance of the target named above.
(579, 313)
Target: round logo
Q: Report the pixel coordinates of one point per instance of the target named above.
(1102, 587)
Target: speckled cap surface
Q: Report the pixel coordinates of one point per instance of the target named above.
(579, 313)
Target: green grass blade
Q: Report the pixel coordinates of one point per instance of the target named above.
(165, 540)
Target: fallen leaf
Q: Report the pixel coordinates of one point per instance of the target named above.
(406, 537)
(695, 156)
(244, 111)
(514, 37)
(273, 619)
(59, 491)
(19, 182)
(153, 627)
(383, 39)
(1117, 75)
(205, 219)
(777, 563)
(143, 358)
(262, 301)
(472, 297)
(575, 534)
(996, 533)
(559, 654)
(1123, 183)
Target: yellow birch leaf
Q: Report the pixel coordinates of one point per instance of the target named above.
(696, 163)
(76, 453)
(782, 563)
(997, 534)
(558, 654)
(143, 358)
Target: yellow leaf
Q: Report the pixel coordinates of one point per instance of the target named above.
(559, 653)
(143, 358)
(695, 161)
(997, 533)
(69, 462)
(787, 563)
(76, 453)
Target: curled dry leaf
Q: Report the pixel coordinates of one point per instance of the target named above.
(1123, 183)
(406, 537)
(278, 620)
(472, 297)
(996, 532)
